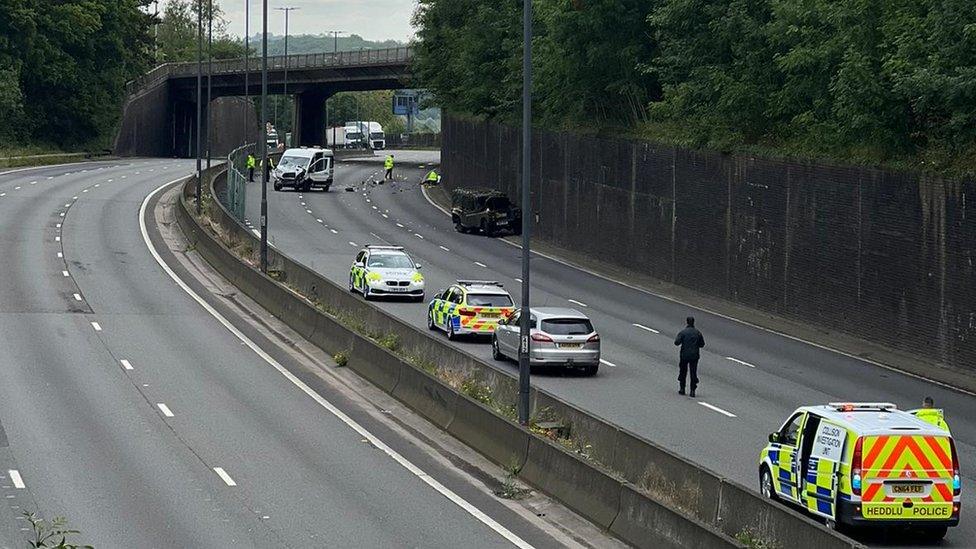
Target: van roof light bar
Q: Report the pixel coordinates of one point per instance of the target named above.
(862, 406)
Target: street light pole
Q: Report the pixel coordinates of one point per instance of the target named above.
(199, 99)
(247, 66)
(209, 71)
(525, 319)
(285, 93)
(335, 57)
(263, 145)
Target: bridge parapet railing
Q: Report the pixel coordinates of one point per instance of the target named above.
(278, 62)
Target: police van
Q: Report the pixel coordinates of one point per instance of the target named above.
(864, 465)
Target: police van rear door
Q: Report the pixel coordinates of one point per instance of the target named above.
(907, 477)
(822, 449)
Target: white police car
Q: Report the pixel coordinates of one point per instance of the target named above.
(386, 271)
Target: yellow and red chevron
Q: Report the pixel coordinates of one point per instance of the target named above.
(905, 456)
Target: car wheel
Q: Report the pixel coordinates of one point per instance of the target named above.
(327, 187)
(367, 295)
(421, 298)
(430, 321)
(450, 330)
(458, 227)
(484, 227)
(352, 286)
(277, 186)
(496, 353)
(766, 484)
(935, 535)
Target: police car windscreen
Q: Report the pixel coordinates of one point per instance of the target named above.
(567, 326)
(489, 300)
(389, 261)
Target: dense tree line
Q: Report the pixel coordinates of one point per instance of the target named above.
(871, 80)
(63, 67)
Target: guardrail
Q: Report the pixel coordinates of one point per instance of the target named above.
(235, 197)
(254, 64)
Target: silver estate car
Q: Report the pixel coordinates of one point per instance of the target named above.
(560, 337)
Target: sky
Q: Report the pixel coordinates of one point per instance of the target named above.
(371, 19)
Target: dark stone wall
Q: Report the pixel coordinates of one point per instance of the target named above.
(882, 255)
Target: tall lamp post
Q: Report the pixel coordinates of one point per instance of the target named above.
(209, 71)
(525, 317)
(263, 145)
(247, 66)
(199, 98)
(335, 57)
(285, 92)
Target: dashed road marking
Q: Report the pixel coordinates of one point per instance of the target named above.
(580, 303)
(77, 297)
(16, 188)
(608, 363)
(224, 476)
(97, 327)
(16, 479)
(385, 216)
(353, 244)
(308, 211)
(642, 327)
(717, 409)
(519, 280)
(58, 226)
(737, 361)
(400, 225)
(60, 255)
(320, 221)
(444, 248)
(256, 232)
(334, 231)
(418, 235)
(480, 264)
(57, 239)
(65, 274)
(164, 409)
(126, 364)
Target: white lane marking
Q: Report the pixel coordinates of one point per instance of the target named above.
(717, 409)
(321, 401)
(256, 232)
(58, 226)
(96, 326)
(60, 255)
(67, 205)
(334, 231)
(420, 236)
(320, 221)
(109, 181)
(385, 216)
(3, 194)
(137, 173)
(65, 274)
(400, 225)
(303, 203)
(519, 280)
(97, 184)
(744, 363)
(445, 249)
(375, 208)
(480, 264)
(608, 363)
(33, 182)
(77, 297)
(50, 177)
(224, 476)
(61, 214)
(84, 190)
(164, 409)
(57, 239)
(580, 303)
(353, 244)
(16, 188)
(123, 177)
(642, 327)
(308, 211)
(16, 479)
(74, 198)
(126, 364)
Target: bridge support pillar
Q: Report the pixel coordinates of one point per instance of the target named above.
(310, 118)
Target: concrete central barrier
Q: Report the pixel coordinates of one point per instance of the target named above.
(642, 492)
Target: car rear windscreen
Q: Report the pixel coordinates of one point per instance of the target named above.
(489, 300)
(567, 326)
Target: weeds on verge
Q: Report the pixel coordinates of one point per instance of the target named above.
(341, 359)
(51, 534)
(752, 539)
(511, 488)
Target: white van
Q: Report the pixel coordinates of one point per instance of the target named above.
(304, 168)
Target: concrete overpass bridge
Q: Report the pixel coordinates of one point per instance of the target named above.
(159, 115)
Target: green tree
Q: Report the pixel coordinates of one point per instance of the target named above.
(178, 33)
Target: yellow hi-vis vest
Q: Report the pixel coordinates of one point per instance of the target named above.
(250, 161)
(388, 163)
(432, 176)
(934, 416)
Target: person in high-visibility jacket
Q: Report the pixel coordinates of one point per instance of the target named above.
(251, 162)
(930, 414)
(432, 178)
(388, 164)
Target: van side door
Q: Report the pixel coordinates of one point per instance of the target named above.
(821, 451)
(784, 456)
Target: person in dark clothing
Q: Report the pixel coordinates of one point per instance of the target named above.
(690, 340)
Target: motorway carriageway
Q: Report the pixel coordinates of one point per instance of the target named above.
(130, 409)
(752, 379)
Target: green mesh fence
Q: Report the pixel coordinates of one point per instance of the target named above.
(234, 198)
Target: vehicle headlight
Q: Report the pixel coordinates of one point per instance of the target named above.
(417, 277)
(374, 277)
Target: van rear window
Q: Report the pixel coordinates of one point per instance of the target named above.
(489, 300)
(567, 326)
